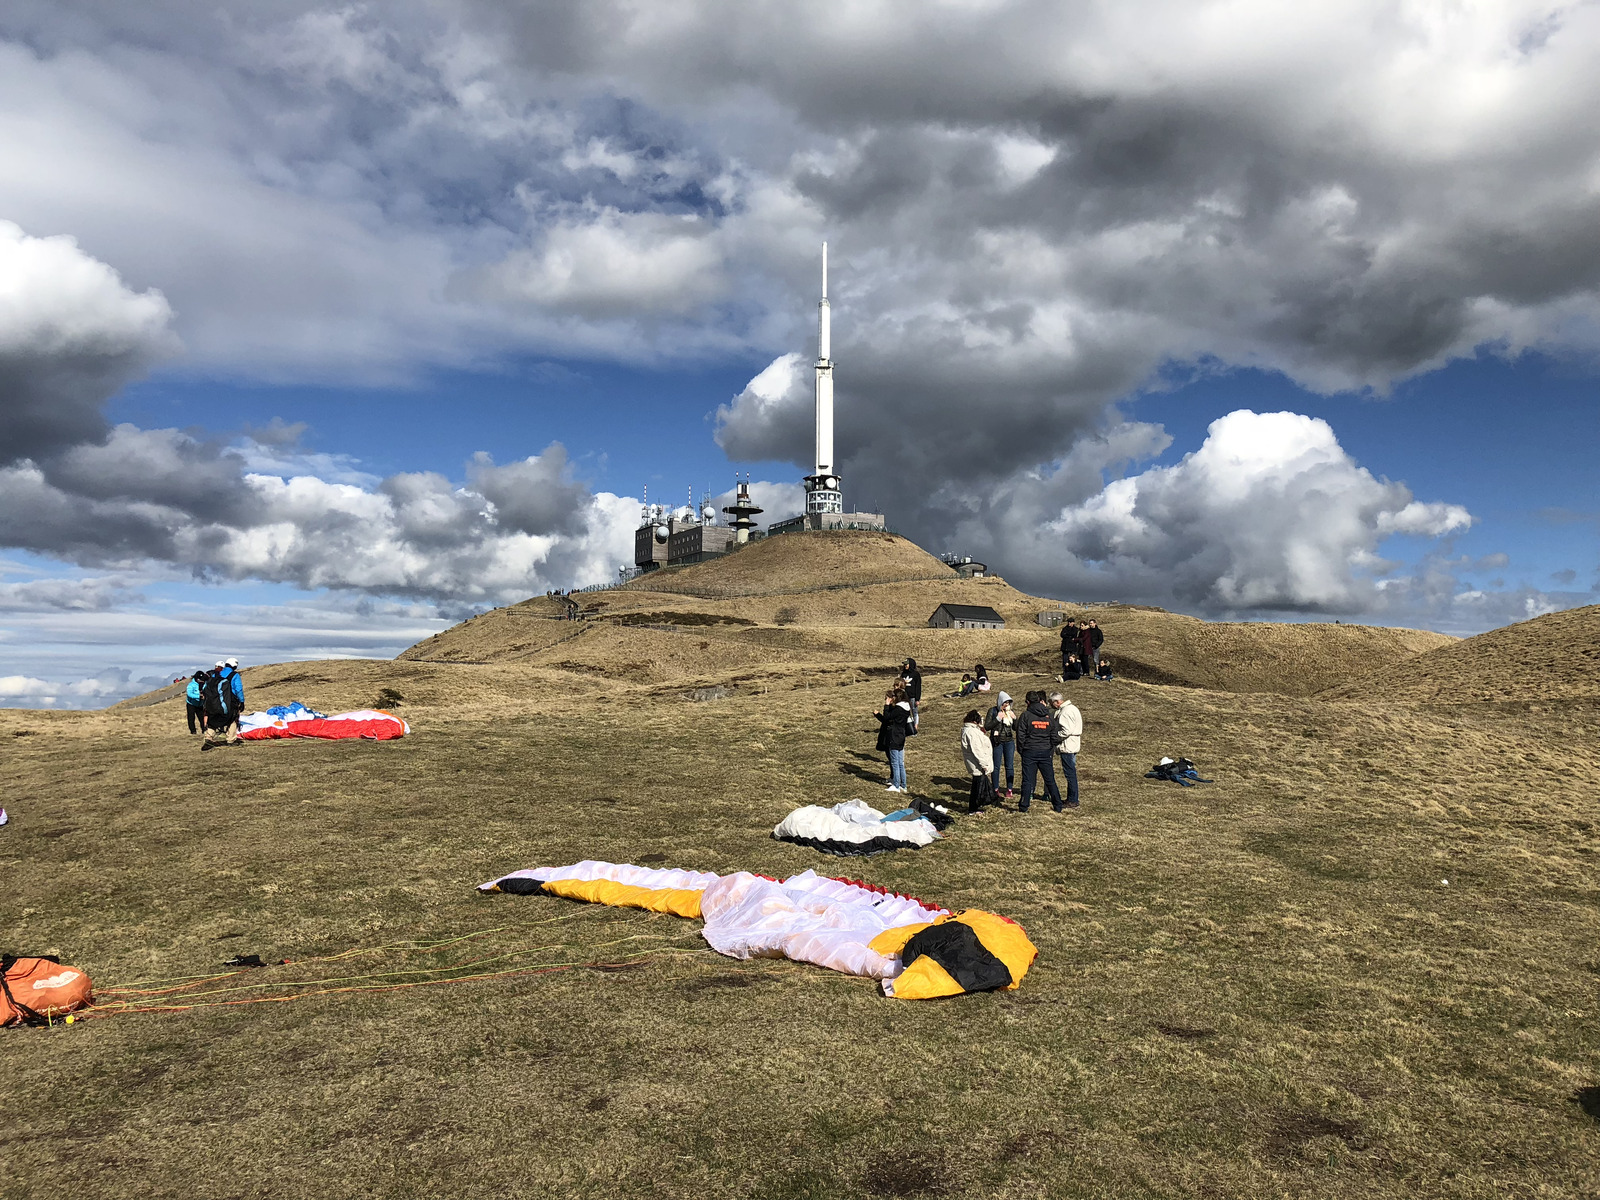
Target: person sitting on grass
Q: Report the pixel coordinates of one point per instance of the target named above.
(1103, 671)
(1071, 669)
(893, 724)
(968, 686)
(981, 676)
(978, 755)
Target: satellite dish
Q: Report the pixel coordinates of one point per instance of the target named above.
(661, 533)
(708, 514)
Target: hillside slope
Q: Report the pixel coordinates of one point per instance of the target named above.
(862, 601)
(1291, 659)
(801, 562)
(1554, 657)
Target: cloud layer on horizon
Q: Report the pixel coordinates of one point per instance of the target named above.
(1035, 209)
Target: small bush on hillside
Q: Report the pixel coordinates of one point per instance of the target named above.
(389, 698)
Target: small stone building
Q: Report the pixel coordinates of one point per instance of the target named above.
(966, 616)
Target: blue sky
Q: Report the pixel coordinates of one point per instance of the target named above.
(323, 326)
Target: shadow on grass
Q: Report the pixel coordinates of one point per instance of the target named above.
(1588, 1099)
(861, 772)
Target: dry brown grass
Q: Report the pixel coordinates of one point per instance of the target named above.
(821, 603)
(796, 561)
(1550, 658)
(1260, 988)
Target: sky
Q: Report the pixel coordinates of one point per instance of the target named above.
(325, 326)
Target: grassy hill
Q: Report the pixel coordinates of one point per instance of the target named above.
(862, 600)
(797, 561)
(1348, 967)
(1550, 658)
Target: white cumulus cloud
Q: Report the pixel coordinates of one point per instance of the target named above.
(1269, 513)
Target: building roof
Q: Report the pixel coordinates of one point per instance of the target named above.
(971, 612)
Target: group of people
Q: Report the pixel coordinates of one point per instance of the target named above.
(1049, 727)
(1080, 651)
(977, 680)
(214, 701)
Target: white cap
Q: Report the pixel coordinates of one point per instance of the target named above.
(219, 664)
(231, 662)
(1164, 761)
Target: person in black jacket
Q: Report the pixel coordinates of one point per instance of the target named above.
(912, 679)
(1037, 734)
(1069, 642)
(893, 725)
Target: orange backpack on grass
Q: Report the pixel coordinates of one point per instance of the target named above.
(36, 990)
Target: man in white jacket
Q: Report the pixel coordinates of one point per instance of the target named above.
(1070, 741)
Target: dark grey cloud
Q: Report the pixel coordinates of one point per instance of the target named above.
(1036, 208)
(71, 334)
(535, 496)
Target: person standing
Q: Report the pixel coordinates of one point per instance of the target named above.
(911, 677)
(1069, 643)
(1069, 740)
(978, 755)
(1036, 743)
(1097, 638)
(893, 724)
(194, 707)
(1085, 645)
(1001, 726)
(223, 696)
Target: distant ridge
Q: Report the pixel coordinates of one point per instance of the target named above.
(1554, 657)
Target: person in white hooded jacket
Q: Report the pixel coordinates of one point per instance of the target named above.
(978, 754)
(1069, 742)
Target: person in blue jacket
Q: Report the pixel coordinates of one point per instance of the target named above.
(230, 690)
(195, 710)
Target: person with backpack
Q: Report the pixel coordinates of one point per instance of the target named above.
(1069, 740)
(978, 755)
(1037, 735)
(1001, 726)
(194, 709)
(223, 697)
(893, 726)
